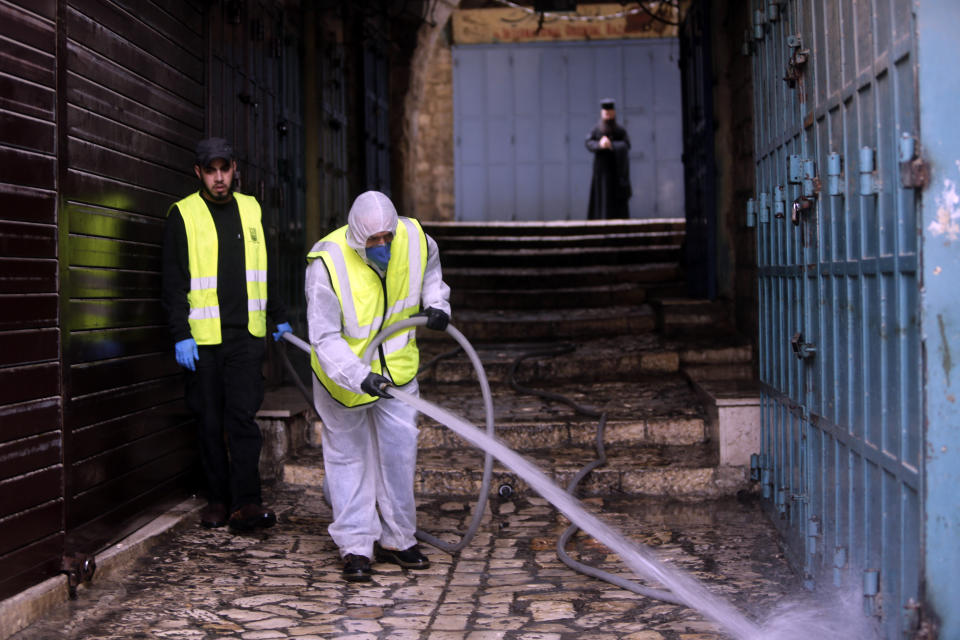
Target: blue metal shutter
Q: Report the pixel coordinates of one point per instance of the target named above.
(840, 357)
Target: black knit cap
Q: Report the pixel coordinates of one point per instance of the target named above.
(212, 148)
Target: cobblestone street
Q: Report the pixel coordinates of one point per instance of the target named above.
(508, 583)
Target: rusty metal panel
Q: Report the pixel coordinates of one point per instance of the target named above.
(31, 474)
(133, 105)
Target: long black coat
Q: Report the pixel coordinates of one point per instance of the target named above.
(610, 188)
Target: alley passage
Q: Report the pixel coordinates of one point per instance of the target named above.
(285, 582)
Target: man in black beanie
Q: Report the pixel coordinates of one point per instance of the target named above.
(610, 189)
(217, 297)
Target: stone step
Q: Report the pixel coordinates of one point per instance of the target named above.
(577, 432)
(286, 423)
(629, 293)
(662, 409)
(733, 417)
(560, 256)
(657, 409)
(439, 230)
(513, 242)
(529, 278)
(486, 326)
(720, 348)
(666, 289)
(732, 371)
(591, 360)
(685, 315)
(531, 422)
(679, 472)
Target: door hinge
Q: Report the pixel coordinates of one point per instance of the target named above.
(914, 171)
(798, 60)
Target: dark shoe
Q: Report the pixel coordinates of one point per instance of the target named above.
(213, 515)
(408, 558)
(356, 568)
(252, 516)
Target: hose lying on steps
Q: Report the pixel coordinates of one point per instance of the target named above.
(488, 460)
(571, 488)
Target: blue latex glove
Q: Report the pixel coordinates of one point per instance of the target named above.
(187, 354)
(282, 328)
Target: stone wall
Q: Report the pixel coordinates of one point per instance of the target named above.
(432, 186)
(426, 147)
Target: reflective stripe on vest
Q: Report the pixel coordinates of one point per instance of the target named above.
(202, 251)
(363, 310)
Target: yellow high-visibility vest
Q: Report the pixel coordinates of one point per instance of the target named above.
(369, 303)
(202, 250)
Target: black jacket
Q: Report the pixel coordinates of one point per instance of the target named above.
(231, 272)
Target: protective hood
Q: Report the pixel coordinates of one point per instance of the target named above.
(371, 213)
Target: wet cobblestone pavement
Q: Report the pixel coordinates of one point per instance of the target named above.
(508, 583)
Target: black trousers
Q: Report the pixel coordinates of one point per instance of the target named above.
(225, 394)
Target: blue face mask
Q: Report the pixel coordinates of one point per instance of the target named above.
(379, 255)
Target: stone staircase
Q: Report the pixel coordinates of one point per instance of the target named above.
(611, 292)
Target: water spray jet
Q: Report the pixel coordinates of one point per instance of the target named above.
(641, 560)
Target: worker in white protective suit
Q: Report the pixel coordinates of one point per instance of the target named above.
(375, 271)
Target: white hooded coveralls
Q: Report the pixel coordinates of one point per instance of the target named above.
(369, 452)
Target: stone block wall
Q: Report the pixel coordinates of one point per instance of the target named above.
(283, 437)
(432, 180)
(423, 160)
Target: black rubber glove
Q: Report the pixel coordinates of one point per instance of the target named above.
(371, 385)
(436, 319)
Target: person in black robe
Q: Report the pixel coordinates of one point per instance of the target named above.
(610, 188)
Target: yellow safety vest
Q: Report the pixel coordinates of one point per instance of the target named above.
(369, 303)
(202, 248)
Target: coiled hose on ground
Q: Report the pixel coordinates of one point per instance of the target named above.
(600, 460)
(488, 460)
